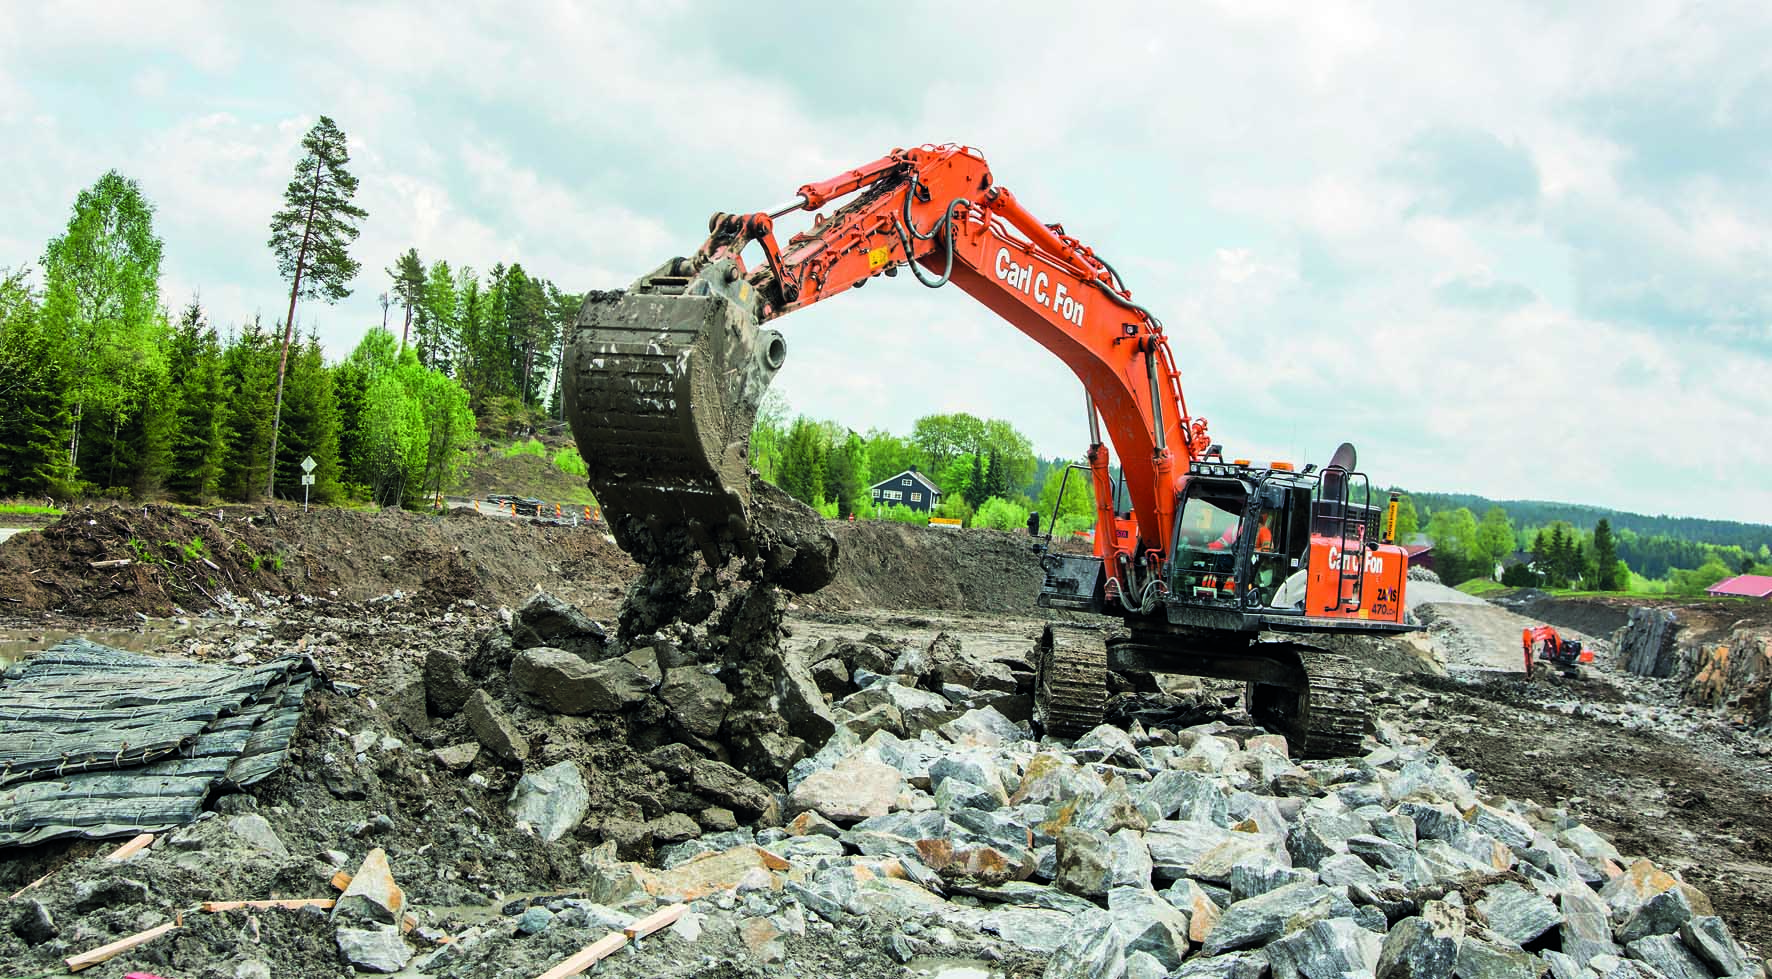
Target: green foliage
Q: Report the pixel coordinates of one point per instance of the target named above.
(1000, 514)
(944, 438)
(527, 447)
(1481, 586)
(1457, 557)
(1605, 557)
(35, 418)
(198, 450)
(899, 513)
(1076, 508)
(311, 235)
(30, 508)
(568, 461)
(1408, 520)
(1694, 582)
(803, 462)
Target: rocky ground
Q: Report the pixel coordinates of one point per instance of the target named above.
(506, 783)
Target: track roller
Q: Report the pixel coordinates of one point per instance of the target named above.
(1070, 680)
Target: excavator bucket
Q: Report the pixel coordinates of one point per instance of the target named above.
(662, 384)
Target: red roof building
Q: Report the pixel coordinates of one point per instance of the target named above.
(1744, 586)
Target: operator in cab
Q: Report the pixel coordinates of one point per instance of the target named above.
(1264, 535)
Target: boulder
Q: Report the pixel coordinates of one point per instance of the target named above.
(552, 801)
(1422, 947)
(1085, 858)
(1092, 949)
(1192, 900)
(1668, 956)
(1109, 745)
(1176, 845)
(564, 683)
(544, 620)
(1662, 914)
(1259, 920)
(1237, 965)
(255, 831)
(1149, 924)
(372, 897)
(33, 923)
(1586, 932)
(1050, 777)
(984, 727)
(446, 682)
(856, 789)
(494, 730)
(1332, 947)
(1517, 914)
(1709, 939)
(801, 703)
(1175, 794)
(673, 827)
(457, 757)
(696, 698)
(1478, 959)
(920, 709)
(379, 949)
(1643, 880)
(1035, 929)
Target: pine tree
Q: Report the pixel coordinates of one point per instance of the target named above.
(996, 477)
(310, 237)
(249, 366)
(1605, 557)
(199, 436)
(311, 426)
(35, 417)
(408, 274)
(975, 487)
(438, 335)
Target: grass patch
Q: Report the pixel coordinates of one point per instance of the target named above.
(1481, 586)
(532, 447)
(29, 508)
(568, 461)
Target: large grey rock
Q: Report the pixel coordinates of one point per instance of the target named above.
(372, 897)
(1518, 914)
(544, 620)
(1513, 831)
(1668, 956)
(1250, 877)
(1662, 914)
(1589, 845)
(1478, 959)
(983, 727)
(552, 801)
(1186, 795)
(379, 949)
(1113, 810)
(1149, 924)
(1260, 920)
(1175, 845)
(858, 788)
(1257, 849)
(921, 710)
(1317, 836)
(1109, 745)
(1382, 854)
(1564, 967)
(1085, 859)
(975, 767)
(958, 795)
(33, 923)
(1586, 932)
(1050, 778)
(1129, 860)
(564, 683)
(1709, 939)
(1030, 895)
(696, 698)
(1093, 949)
(1648, 645)
(1347, 870)
(1035, 929)
(1327, 949)
(447, 686)
(1237, 965)
(255, 831)
(494, 730)
(801, 703)
(1422, 947)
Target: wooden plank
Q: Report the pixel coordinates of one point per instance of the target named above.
(662, 918)
(106, 952)
(131, 848)
(341, 880)
(590, 955)
(288, 904)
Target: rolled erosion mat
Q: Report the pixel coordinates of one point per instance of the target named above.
(97, 742)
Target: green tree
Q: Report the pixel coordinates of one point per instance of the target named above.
(1605, 557)
(1000, 514)
(311, 426)
(409, 278)
(200, 432)
(1456, 555)
(846, 478)
(311, 237)
(249, 364)
(439, 326)
(447, 424)
(102, 298)
(1494, 540)
(802, 471)
(1694, 582)
(769, 434)
(34, 414)
(889, 455)
(1076, 511)
(1408, 520)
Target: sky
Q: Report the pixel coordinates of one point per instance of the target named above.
(1523, 254)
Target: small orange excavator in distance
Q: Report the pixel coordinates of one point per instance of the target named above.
(1552, 648)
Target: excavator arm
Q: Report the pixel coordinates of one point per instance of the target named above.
(678, 365)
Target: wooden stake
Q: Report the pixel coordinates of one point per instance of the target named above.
(122, 562)
(289, 904)
(15, 894)
(593, 953)
(341, 880)
(106, 952)
(662, 918)
(131, 848)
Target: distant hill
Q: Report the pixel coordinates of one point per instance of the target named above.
(1537, 513)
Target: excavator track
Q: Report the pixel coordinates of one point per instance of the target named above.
(1329, 716)
(1070, 685)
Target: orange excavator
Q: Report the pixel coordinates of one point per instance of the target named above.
(1203, 558)
(1551, 647)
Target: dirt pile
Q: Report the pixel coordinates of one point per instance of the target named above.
(894, 565)
(115, 561)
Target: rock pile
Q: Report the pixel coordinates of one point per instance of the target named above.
(1730, 669)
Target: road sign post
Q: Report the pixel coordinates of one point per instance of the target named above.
(307, 480)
